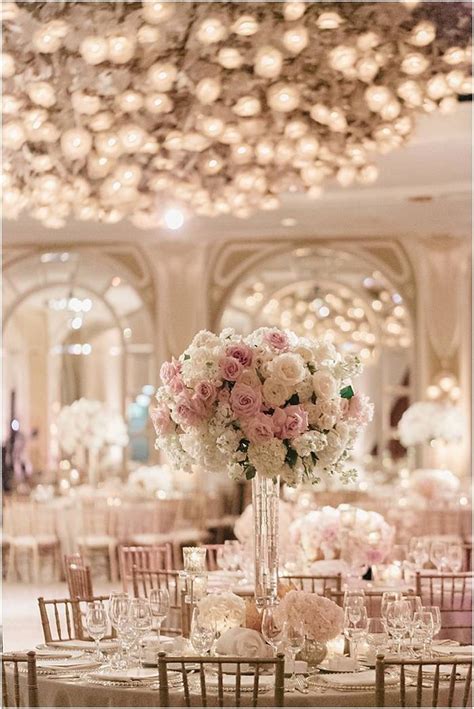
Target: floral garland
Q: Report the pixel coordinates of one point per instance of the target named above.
(111, 107)
(271, 403)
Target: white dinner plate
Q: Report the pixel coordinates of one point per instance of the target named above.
(338, 665)
(356, 679)
(135, 674)
(105, 645)
(54, 653)
(67, 663)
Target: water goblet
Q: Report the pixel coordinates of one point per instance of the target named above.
(159, 599)
(273, 632)
(128, 637)
(397, 619)
(96, 624)
(294, 640)
(377, 637)
(355, 628)
(439, 554)
(141, 620)
(455, 557)
(424, 628)
(436, 615)
(201, 635)
(119, 603)
(419, 552)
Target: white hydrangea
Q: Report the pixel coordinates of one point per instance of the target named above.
(310, 442)
(268, 458)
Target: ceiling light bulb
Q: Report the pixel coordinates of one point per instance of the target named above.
(211, 30)
(130, 101)
(174, 218)
(423, 34)
(158, 103)
(414, 64)
(7, 65)
(132, 137)
(76, 143)
(247, 106)
(245, 26)
(296, 39)
(94, 50)
(268, 62)
(283, 98)
(42, 93)
(13, 135)
(293, 10)
(120, 49)
(157, 12)
(230, 58)
(377, 97)
(454, 55)
(162, 76)
(329, 21)
(208, 90)
(342, 57)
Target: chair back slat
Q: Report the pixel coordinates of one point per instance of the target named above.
(453, 594)
(157, 557)
(28, 659)
(211, 556)
(417, 668)
(216, 665)
(65, 616)
(373, 599)
(78, 577)
(145, 580)
(314, 583)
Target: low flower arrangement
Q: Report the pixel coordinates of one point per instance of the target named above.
(146, 480)
(319, 534)
(222, 611)
(322, 618)
(427, 421)
(271, 402)
(243, 527)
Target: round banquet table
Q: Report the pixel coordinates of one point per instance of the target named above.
(60, 692)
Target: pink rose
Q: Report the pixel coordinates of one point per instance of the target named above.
(189, 412)
(169, 370)
(278, 340)
(361, 409)
(161, 420)
(259, 429)
(206, 392)
(290, 422)
(242, 353)
(245, 401)
(230, 368)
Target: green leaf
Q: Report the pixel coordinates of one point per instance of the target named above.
(347, 392)
(186, 356)
(243, 445)
(250, 472)
(311, 367)
(295, 399)
(291, 457)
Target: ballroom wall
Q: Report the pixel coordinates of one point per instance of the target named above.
(186, 284)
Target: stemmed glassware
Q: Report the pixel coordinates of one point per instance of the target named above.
(424, 629)
(141, 621)
(273, 633)
(96, 624)
(356, 624)
(119, 604)
(233, 552)
(439, 555)
(377, 637)
(436, 615)
(397, 620)
(455, 557)
(159, 599)
(419, 551)
(201, 636)
(294, 639)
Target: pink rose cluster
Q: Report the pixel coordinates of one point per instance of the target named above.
(259, 404)
(322, 618)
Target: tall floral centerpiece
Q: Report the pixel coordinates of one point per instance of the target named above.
(267, 407)
(86, 428)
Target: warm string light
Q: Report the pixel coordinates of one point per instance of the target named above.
(109, 123)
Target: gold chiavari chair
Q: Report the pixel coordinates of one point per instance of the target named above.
(144, 580)
(467, 555)
(156, 557)
(62, 618)
(15, 659)
(98, 533)
(211, 556)
(78, 577)
(412, 671)
(453, 594)
(217, 665)
(314, 584)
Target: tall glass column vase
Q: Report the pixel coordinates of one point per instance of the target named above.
(265, 500)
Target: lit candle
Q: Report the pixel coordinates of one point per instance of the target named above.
(194, 559)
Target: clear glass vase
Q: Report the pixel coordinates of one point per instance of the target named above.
(265, 500)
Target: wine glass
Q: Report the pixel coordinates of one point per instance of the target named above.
(397, 619)
(436, 615)
(128, 637)
(355, 628)
(424, 628)
(415, 604)
(377, 637)
(159, 605)
(201, 635)
(141, 620)
(439, 554)
(419, 552)
(233, 551)
(455, 557)
(294, 637)
(354, 603)
(273, 632)
(222, 559)
(96, 624)
(388, 597)
(119, 603)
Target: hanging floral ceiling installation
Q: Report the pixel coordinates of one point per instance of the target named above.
(125, 109)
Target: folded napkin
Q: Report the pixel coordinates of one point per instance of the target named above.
(457, 650)
(243, 642)
(85, 644)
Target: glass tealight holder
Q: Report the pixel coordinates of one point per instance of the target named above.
(194, 559)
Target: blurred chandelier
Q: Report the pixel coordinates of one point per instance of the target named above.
(125, 109)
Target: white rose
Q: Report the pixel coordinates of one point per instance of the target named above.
(305, 389)
(289, 368)
(250, 377)
(324, 384)
(275, 392)
(267, 458)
